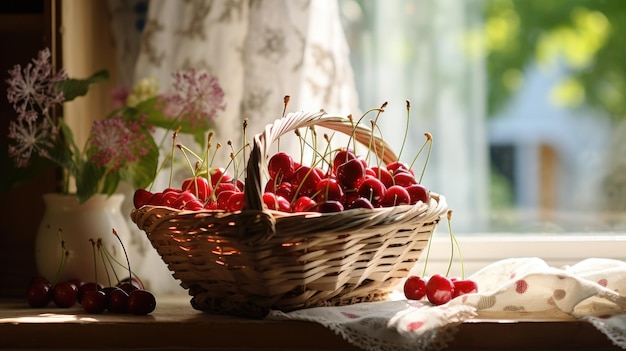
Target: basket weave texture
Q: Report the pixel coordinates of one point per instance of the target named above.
(248, 262)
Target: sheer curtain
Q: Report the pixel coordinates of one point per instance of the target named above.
(259, 50)
(413, 50)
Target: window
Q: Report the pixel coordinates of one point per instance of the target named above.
(525, 100)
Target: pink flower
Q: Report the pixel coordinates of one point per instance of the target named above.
(198, 98)
(30, 136)
(117, 142)
(119, 97)
(34, 86)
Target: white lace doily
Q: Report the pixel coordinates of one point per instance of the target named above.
(590, 291)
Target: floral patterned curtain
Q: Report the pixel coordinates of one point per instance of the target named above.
(260, 50)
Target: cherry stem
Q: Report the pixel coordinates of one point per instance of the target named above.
(406, 128)
(352, 136)
(95, 263)
(130, 272)
(314, 143)
(303, 179)
(64, 254)
(208, 151)
(429, 137)
(109, 259)
(113, 260)
(301, 140)
(427, 255)
(104, 261)
(382, 154)
(232, 157)
(174, 143)
(285, 103)
(451, 253)
(456, 243)
(245, 137)
(219, 180)
(217, 147)
(317, 153)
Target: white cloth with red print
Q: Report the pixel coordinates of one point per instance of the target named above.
(589, 290)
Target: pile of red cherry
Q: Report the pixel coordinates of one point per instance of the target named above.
(350, 183)
(128, 296)
(438, 289)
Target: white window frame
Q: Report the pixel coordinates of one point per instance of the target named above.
(480, 250)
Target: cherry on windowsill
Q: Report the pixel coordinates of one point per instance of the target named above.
(141, 302)
(94, 301)
(64, 294)
(39, 293)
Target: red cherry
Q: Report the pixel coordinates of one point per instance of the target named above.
(141, 197)
(141, 302)
(199, 186)
(349, 173)
(281, 166)
(404, 179)
(351, 196)
(396, 196)
(464, 286)
(182, 199)
(169, 197)
(223, 199)
(418, 192)
(341, 157)
(271, 186)
(372, 189)
(361, 202)
(94, 301)
(223, 187)
(276, 202)
(127, 286)
(107, 291)
(89, 286)
(393, 167)
(439, 289)
(330, 206)
(133, 281)
(172, 190)
(414, 288)
(210, 205)
(305, 181)
(219, 175)
(383, 175)
(64, 294)
(303, 204)
(236, 202)
(284, 189)
(156, 199)
(329, 189)
(118, 301)
(39, 293)
(193, 205)
(239, 184)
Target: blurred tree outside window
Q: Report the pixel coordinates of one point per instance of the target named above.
(524, 98)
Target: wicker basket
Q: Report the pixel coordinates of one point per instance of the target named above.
(246, 263)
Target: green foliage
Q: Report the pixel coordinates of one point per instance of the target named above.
(151, 109)
(73, 88)
(586, 35)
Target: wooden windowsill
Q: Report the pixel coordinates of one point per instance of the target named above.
(175, 325)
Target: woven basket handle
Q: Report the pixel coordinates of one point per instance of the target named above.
(258, 157)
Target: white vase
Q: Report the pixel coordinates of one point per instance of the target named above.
(94, 219)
